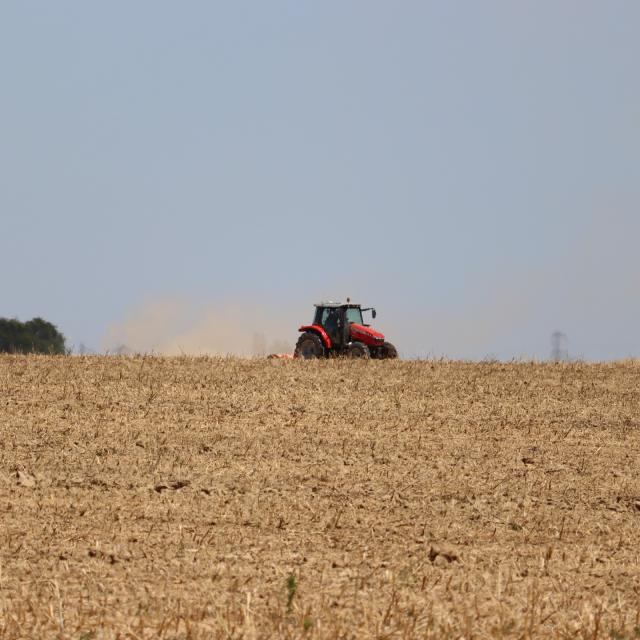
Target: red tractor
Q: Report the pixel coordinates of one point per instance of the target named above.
(338, 329)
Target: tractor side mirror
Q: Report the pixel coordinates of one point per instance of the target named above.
(373, 313)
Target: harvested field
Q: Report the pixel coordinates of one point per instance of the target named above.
(203, 498)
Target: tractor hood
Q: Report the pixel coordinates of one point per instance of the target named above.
(366, 334)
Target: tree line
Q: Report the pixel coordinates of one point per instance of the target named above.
(34, 336)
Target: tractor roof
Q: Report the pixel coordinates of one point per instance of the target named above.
(336, 305)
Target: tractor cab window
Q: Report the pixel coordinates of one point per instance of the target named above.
(332, 322)
(354, 314)
(330, 316)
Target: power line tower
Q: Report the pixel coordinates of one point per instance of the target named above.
(559, 347)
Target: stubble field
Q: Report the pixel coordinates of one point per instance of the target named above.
(154, 497)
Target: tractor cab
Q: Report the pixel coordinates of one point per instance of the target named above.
(339, 329)
(336, 319)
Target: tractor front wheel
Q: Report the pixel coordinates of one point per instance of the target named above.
(358, 350)
(388, 351)
(309, 346)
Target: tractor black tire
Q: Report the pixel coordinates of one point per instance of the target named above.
(309, 346)
(358, 350)
(388, 351)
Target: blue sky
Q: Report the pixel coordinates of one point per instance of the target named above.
(471, 168)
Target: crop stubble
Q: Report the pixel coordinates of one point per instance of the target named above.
(196, 497)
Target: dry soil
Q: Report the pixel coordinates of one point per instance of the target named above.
(154, 497)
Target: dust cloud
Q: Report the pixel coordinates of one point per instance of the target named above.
(176, 326)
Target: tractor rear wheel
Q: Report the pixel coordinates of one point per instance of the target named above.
(358, 350)
(309, 346)
(388, 351)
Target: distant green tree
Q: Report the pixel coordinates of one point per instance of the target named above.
(33, 336)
